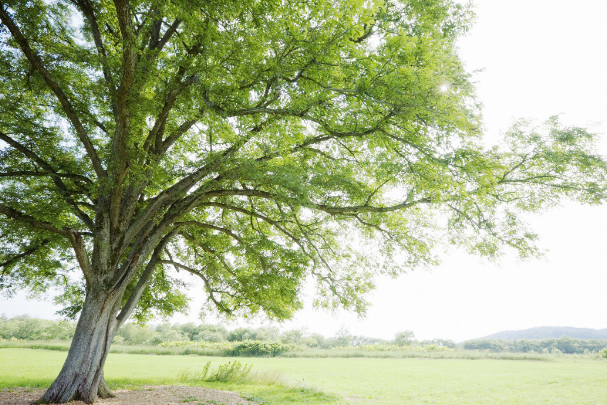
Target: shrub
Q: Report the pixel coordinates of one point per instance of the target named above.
(603, 353)
(259, 348)
(118, 340)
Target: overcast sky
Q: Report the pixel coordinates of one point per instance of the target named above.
(540, 57)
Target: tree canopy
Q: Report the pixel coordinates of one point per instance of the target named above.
(253, 144)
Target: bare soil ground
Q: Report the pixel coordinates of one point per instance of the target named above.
(152, 395)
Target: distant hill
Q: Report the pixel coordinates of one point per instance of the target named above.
(549, 332)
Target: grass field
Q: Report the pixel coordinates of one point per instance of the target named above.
(350, 380)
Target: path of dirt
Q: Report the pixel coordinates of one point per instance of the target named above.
(152, 395)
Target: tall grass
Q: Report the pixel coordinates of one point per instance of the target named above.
(229, 372)
(242, 375)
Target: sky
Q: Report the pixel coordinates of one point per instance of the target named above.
(538, 58)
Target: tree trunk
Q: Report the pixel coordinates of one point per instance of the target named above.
(81, 377)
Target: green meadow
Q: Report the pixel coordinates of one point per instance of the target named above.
(346, 380)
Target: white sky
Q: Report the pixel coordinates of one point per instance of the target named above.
(540, 57)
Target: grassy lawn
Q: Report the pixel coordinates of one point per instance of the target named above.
(338, 381)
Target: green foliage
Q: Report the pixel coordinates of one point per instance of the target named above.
(23, 327)
(404, 338)
(187, 343)
(135, 334)
(246, 348)
(204, 332)
(255, 145)
(295, 336)
(603, 353)
(242, 334)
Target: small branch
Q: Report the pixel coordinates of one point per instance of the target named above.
(210, 251)
(19, 173)
(29, 251)
(204, 279)
(262, 217)
(71, 234)
(168, 34)
(177, 265)
(366, 35)
(213, 227)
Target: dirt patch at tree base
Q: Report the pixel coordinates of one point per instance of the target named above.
(152, 395)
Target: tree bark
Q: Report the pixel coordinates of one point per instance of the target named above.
(81, 377)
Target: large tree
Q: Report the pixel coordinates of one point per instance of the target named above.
(254, 144)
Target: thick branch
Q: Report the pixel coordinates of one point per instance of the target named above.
(168, 34)
(369, 208)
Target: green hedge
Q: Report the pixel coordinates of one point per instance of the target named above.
(260, 348)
